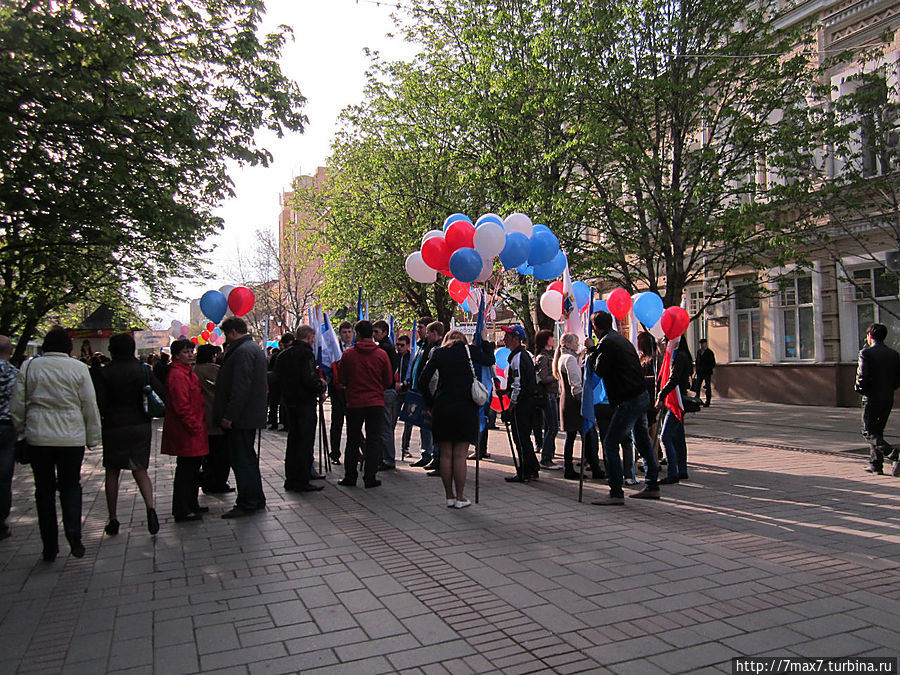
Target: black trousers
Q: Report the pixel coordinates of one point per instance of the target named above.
(523, 419)
(57, 468)
(186, 486)
(874, 419)
(373, 418)
(276, 412)
(705, 381)
(338, 412)
(216, 467)
(301, 440)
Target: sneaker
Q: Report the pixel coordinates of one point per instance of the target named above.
(347, 482)
(462, 504)
(896, 470)
(235, 512)
(631, 481)
(668, 480)
(609, 501)
(645, 494)
(423, 461)
(451, 502)
(550, 466)
(515, 478)
(877, 470)
(432, 466)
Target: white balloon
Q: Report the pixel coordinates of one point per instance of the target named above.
(518, 222)
(552, 304)
(489, 239)
(487, 217)
(430, 234)
(657, 331)
(487, 269)
(226, 290)
(418, 270)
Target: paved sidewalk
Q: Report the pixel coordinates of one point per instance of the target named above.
(763, 551)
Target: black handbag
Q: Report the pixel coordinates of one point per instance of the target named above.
(691, 404)
(153, 404)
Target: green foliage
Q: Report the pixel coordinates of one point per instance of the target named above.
(118, 120)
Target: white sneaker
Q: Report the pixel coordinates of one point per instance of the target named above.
(631, 481)
(550, 466)
(462, 504)
(451, 503)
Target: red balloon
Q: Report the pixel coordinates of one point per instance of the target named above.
(619, 303)
(194, 340)
(501, 372)
(205, 335)
(210, 325)
(435, 253)
(556, 286)
(496, 404)
(240, 300)
(674, 321)
(446, 273)
(459, 235)
(458, 290)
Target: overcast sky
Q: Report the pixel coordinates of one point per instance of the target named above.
(327, 61)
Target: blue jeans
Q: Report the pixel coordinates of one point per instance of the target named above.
(245, 466)
(7, 466)
(430, 450)
(551, 427)
(629, 416)
(388, 451)
(675, 445)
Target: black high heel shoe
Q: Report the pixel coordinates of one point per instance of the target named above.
(112, 527)
(152, 521)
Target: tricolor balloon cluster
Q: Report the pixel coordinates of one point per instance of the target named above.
(466, 252)
(215, 305)
(647, 307)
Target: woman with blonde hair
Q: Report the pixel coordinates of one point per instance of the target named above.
(454, 415)
(567, 368)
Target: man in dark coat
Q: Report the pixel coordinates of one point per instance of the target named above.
(301, 388)
(240, 409)
(877, 376)
(615, 360)
(704, 366)
(523, 397)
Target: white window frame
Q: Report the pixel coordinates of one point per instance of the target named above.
(733, 322)
(847, 305)
(776, 313)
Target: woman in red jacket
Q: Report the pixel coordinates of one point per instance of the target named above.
(184, 431)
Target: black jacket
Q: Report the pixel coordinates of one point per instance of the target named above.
(120, 392)
(522, 383)
(455, 381)
(615, 360)
(241, 386)
(298, 376)
(878, 373)
(680, 376)
(388, 348)
(706, 361)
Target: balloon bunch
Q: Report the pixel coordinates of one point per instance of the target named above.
(467, 252)
(648, 308)
(215, 306)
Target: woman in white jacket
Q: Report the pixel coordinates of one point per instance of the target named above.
(54, 407)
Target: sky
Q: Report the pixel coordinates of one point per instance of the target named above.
(327, 61)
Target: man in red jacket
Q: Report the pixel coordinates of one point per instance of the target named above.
(364, 372)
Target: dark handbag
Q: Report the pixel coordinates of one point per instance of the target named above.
(23, 452)
(153, 404)
(691, 404)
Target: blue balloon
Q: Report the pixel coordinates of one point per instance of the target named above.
(582, 294)
(544, 247)
(213, 304)
(525, 269)
(516, 250)
(648, 308)
(552, 269)
(489, 218)
(599, 306)
(539, 228)
(466, 265)
(501, 358)
(453, 218)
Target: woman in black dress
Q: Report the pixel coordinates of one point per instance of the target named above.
(454, 414)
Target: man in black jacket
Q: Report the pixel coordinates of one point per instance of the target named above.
(240, 409)
(615, 360)
(523, 396)
(877, 376)
(704, 366)
(301, 388)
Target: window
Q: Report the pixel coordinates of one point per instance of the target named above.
(746, 301)
(797, 317)
(882, 285)
(696, 300)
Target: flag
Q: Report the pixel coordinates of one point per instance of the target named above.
(590, 310)
(593, 392)
(673, 398)
(359, 306)
(571, 318)
(484, 373)
(329, 349)
(413, 346)
(391, 329)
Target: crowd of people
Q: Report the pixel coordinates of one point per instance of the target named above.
(54, 407)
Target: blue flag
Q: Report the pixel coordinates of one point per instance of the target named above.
(329, 349)
(413, 346)
(391, 329)
(593, 392)
(359, 306)
(483, 372)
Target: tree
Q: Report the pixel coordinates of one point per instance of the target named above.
(120, 119)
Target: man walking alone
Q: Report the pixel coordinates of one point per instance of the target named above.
(877, 376)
